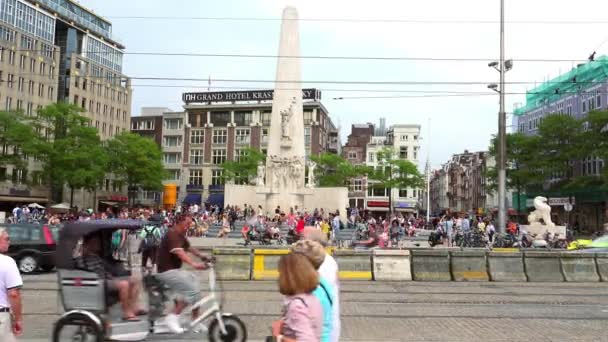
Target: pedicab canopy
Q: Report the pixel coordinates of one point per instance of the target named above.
(71, 233)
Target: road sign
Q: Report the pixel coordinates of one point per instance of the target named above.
(568, 207)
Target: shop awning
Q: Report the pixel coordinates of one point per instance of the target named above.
(22, 199)
(110, 203)
(216, 199)
(192, 199)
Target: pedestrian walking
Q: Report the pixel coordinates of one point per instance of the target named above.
(11, 318)
(302, 319)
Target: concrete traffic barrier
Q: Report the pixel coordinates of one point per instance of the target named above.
(266, 263)
(354, 265)
(431, 265)
(602, 265)
(579, 266)
(392, 265)
(233, 264)
(469, 265)
(506, 266)
(543, 266)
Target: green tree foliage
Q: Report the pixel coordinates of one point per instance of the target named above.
(72, 151)
(136, 161)
(595, 140)
(522, 168)
(394, 173)
(243, 170)
(333, 170)
(18, 138)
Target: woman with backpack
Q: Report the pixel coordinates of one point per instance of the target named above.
(150, 240)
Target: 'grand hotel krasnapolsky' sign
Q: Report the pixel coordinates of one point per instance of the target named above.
(247, 95)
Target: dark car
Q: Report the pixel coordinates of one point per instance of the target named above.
(33, 246)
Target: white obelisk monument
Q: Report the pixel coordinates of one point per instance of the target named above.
(281, 181)
(285, 162)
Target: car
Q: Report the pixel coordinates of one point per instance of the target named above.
(32, 246)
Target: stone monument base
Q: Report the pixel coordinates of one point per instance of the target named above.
(540, 229)
(330, 199)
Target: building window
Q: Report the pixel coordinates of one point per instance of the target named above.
(584, 106)
(9, 80)
(51, 93)
(356, 185)
(265, 136)
(403, 193)
(307, 117)
(173, 174)
(404, 138)
(219, 156)
(30, 109)
(599, 101)
(19, 176)
(352, 155)
(217, 177)
(172, 158)
(242, 118)
(41, 90)
(415, 137)
(173, 123)
(32, 65)
(265, 118)
(11, 57)
(197, 137)
(403, 152)
(239, 153)
(196, 156)
(30, 87)
(20, 84)
(107, 185)
(220, 136)
(371, 157)
(9, 103)
(242, 136)
(220, 118)
(173, 140)
(377, 192)
(19, 104)
(22, 61)
(145, 125)
(196, 177)
(307, 137)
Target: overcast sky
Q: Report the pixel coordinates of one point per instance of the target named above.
(457, 122)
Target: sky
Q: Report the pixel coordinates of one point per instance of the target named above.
(466, 29)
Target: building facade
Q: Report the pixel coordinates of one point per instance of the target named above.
(57, 50)
(462, 185)
(219, 126)
(574, 93)
(355, 151)
(404, 141)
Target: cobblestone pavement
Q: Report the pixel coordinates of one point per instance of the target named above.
(399, 311)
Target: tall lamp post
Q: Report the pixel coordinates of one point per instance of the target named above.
(502, 66)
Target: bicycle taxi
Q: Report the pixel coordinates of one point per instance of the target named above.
(92, 312)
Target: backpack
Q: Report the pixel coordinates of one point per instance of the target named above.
(341, 225)
(150, 240)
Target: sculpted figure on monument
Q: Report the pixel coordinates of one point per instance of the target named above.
(542, 212)
(311, 174)
(286, 115)
(260, 174)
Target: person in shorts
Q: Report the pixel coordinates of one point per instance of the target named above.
(173, 251)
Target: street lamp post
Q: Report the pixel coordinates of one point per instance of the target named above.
(502, 66)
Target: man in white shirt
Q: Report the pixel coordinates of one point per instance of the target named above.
(11, 319)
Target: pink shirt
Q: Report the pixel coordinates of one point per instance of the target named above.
(303, 319)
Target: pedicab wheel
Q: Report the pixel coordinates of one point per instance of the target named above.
(77, 328)
(235, 330)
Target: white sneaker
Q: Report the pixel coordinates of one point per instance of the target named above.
(172, 321)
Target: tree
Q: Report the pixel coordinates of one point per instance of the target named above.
(394, 173)
(71, 149)
(559, 143)
(245, 169)
(83, 159)
(522, 169)
(18, 139)
(333, 170)
(136, 161)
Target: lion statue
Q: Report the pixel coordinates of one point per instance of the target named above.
(542, 212)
